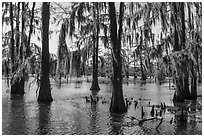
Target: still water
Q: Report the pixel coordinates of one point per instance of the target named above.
(70, 114)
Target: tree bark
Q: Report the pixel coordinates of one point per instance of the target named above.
(45, 90)
(117, 100)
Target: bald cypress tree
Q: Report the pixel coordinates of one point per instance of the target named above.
(117, 100)
(45, 91)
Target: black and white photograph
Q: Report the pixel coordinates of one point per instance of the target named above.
(101, 68)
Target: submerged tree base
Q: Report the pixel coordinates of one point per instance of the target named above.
(44, 99)
(117, 101)
(17, 86)
(45, 94)
(178, 98)
(95, 85)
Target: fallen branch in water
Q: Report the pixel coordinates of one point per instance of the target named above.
(151, 118)
(161, 120)
(147, 119)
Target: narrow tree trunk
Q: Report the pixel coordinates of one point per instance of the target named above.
(117, 100)
(127, 71)
(12, 38)
(21, 55)
(17, 30)
(31, 25)
(95, 85)
(71, 64)
(134, 67)
(143, 76)
(45, 91)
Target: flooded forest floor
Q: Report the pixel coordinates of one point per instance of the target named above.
(72, 112)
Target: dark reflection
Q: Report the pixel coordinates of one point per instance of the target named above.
(193, 119)
(116, 123)
(143, 82)
(134, 81)
(17, 115)
(78, 84)
(181, 118)
(94, 125)
(44, 119)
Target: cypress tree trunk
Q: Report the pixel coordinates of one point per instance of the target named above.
(179, 95)
(95, 85)
(183, 41)
(117, 100)
(45, 91)
(17, 82)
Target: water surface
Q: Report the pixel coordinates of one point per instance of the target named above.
(70, 114)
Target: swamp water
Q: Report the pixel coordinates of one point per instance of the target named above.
(70, 114)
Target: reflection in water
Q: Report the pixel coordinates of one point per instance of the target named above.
(94, 125)
(116, 122)
(193, 121)
(142, 83)
(17, 115)
(78, 84)
(44, 119)
(181, 118)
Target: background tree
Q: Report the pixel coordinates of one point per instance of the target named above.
(17, 80)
